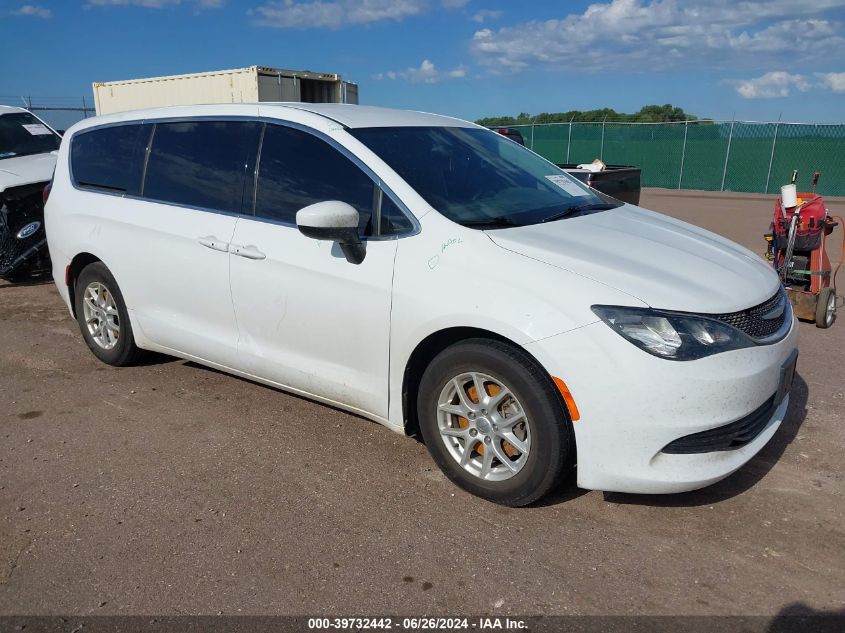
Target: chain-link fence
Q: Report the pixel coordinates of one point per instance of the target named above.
(60, 112)
(711, 155)
(744, 156)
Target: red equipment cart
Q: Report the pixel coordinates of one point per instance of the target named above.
(797, 248)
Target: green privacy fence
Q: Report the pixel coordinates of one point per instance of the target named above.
(711, 155)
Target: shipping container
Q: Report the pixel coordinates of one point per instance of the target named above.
(241, 85)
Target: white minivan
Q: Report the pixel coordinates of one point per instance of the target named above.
(431, 275)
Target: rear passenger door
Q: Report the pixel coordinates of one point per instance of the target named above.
(309, 319)
(178, 233)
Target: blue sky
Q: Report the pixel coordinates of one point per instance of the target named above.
(468, 58)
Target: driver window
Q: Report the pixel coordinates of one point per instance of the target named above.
(297, 169)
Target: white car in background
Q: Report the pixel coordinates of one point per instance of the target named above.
(28, 150)
(431, 275)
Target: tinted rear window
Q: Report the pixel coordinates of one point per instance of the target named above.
(110, 158)
(201, 163)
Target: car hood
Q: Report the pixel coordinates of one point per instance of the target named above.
(664, 262)
(24, 170)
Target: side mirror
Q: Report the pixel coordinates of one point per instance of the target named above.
(333, 221)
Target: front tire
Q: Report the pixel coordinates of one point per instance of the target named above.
(493, 422)
(103, 318)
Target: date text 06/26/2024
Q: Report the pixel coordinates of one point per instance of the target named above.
(418, 623)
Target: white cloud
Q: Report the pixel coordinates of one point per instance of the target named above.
(777, 83)
(34, 11)
(778, 37)
(426, 73)
(832, 81)
(486, 14)
(668, 34)
(157, 4)
(153, 4)
(333, 14)
(781, 83)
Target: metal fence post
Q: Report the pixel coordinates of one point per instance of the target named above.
(683, 154)
(532, 137)
(772, 155)
(601, 150)
(569, 140)
(727, 156)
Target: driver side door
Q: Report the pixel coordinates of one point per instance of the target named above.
(308, 319)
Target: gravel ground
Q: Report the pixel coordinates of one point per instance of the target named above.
(169, 488)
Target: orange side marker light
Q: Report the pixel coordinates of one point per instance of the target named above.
(567, 398)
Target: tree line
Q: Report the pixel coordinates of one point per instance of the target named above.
(647, 114)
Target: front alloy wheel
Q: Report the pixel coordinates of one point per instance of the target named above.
(494, 422)
(484, 427)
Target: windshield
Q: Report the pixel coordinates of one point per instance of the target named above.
(480, 178)
(22, 134)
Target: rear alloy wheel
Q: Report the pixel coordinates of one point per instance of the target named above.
(493, 421)
(102, 316)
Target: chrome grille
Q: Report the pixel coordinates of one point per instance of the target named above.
(760, 321)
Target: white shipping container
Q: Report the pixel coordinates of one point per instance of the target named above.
(241, 85)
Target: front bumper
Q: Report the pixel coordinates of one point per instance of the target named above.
(633, 404)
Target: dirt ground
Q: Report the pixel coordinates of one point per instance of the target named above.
(172, 489)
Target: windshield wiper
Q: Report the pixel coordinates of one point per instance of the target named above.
(596, 206)
(497, 222)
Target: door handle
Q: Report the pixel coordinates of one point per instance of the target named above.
(213, 243)
(250, 252)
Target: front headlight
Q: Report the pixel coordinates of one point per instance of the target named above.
(672, 335)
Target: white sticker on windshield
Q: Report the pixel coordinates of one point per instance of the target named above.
(37, 129)
(568, 186)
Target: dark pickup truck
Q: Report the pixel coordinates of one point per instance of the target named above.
(618, 181)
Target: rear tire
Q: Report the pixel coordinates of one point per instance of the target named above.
(467, 435)
(103, 318)
(826, 308)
